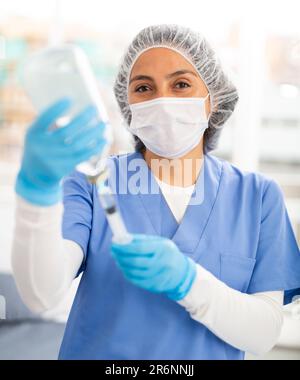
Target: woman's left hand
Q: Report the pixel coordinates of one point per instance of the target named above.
(155, 264)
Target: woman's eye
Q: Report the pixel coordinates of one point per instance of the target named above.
(182, 85)
(141, 88)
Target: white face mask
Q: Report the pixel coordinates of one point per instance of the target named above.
(169, 127)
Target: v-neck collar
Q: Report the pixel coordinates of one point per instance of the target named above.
(190, 231)
(187, 234)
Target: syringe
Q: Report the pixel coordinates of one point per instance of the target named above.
(108, 202)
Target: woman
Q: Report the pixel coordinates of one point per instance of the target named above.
(205, 273)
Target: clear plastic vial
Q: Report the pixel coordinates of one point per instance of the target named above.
(64, 71)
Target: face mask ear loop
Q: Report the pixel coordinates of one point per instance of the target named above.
(206, 97)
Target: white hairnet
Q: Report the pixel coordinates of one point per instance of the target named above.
(223, 94)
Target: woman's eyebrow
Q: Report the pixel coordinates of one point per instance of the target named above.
(140, 77)
(181, 72)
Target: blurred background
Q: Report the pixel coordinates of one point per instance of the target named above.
(257, 42)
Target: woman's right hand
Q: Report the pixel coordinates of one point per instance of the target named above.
(51, 153)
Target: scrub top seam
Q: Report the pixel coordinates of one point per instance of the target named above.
(212, 208)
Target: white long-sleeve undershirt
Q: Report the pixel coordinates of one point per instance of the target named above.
(44, 266)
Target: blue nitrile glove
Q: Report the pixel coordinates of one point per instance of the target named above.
(155, 264)
(50, 153)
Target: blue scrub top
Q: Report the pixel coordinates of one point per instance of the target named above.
(240, 232)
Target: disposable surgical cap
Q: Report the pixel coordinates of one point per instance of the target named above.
(193, 47)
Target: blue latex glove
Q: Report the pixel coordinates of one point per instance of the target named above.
(155, 264)
(50, 153)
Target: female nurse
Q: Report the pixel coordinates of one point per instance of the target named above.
(212, 253)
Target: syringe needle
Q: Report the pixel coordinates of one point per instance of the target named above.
(115, 221)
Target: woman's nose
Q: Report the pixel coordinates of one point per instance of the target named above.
(163, 93)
